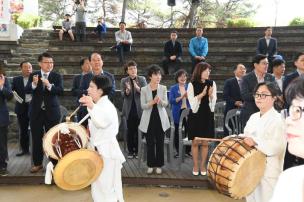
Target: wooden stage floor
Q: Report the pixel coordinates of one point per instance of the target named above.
(18, 168)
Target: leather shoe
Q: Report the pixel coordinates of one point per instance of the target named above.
(22, 153)
(36, 169)
(195, 173)
(203, 173)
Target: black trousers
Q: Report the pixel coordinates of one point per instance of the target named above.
(121, 49)
(171, 66)
(23, 121)
(155, 147)
(176, 133)
(132, 137)
(80, 31)
(39, 125)
(194, 63)
(3, 146)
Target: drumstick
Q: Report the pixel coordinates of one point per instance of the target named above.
(208, 139)
(84, 118)
(68, 118)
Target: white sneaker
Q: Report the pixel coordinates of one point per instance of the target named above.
(158, 171)
(150, 170)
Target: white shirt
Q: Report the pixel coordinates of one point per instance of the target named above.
(122, 36)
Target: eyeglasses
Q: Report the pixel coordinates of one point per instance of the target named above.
(295, 112)
(262, 96)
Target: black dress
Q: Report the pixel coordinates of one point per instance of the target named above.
(201, 123)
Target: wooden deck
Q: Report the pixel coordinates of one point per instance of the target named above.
(18, 168)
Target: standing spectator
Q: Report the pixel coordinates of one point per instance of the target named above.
(232, 91)
(45, 86)
(101, 28)
(291, 160)
(249, 81)
(22, 108)
(66, 27)
(5, 94)
(265, 131)
(130, 90)
(198, 48)
(278, 69)
(172, 54)
(80, 20)
(97, 69)
(154, 121)
(179, 101)
(267, 45)
(123, 41)
(202, 97)
(85, 68)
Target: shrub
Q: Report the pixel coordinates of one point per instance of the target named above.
(297, 21)
(240, 22)
(26, 20)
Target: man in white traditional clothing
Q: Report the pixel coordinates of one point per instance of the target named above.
(103, 126)
(265, 131)
(290, 186)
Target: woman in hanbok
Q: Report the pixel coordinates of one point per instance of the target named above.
(265, 131)
(103, 126)
(290, 186)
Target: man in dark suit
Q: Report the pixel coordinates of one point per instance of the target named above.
(257, 75)
(86, 68)
(5, 94)
(232, 92)
(172, 54)
(291, 160)
(267, 46)
(45, 86)
(21, 108)
(97, 69)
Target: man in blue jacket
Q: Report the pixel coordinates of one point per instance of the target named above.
(198, 47)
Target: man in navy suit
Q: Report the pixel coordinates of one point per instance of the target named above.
(5, 94)
(290, 160)
(45, 86)
(172, 54)
(232, 92)
(21, 108)
(85, 68)
(267, 46)
(97, 69)
(249, 81)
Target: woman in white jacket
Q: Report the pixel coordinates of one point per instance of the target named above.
(103, 126)
(265, 131)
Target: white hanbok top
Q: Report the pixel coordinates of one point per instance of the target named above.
(290, 186)
(268, 132)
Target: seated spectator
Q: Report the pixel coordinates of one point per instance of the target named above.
(66, 27)
(123, 41)
(101, 28)
(172, 54)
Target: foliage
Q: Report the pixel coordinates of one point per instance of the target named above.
(26, 20)
(297, 21)
(240, 22)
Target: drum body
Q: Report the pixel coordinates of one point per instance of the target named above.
(236, 169)
(77, 166)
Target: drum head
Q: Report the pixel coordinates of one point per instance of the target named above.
(78, 169)
(49, 136)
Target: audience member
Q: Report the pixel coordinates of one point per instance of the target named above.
(267, 45)
(232, 91)
(66, 27)
(22, 106)
(257, 75)
(154, 120)
(45, 86)
(80, 24)
(5, 95)
(101, 28)
(291, 160)
(278, 69)
(130, 90)
(76, 91)
(123, 41)
(179, 101)
(202, 97)
(172, 54)
(198, 48)
(265, 131)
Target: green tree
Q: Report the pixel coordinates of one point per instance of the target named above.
(297, 21)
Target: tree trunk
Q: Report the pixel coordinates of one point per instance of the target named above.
(190, 17)
(124, 8)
